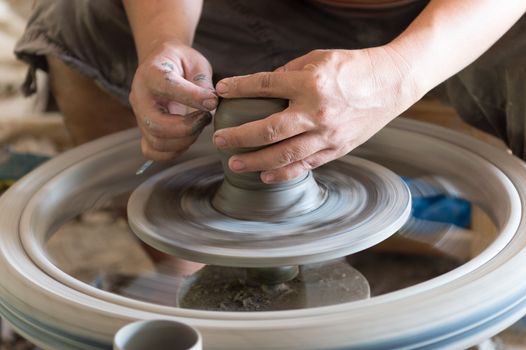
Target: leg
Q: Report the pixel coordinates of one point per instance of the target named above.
(88, 111)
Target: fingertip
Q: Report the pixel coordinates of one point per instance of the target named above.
(283, 174)
(219, 141)
(210, 103)
(222, 87)
(236, 164)
(268, 177)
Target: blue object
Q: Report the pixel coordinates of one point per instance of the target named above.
(14, 165)
(440, 207)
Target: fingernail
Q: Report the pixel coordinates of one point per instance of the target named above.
(221, 88)
(219, 141)
(268, 178)
(237, 165)
(210, 103)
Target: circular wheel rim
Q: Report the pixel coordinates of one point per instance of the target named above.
(456, 309)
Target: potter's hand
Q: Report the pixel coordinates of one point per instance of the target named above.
(338, 99)
(171, 78)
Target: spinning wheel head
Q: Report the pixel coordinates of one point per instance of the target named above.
(196, 212)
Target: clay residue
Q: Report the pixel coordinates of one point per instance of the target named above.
(227, 289)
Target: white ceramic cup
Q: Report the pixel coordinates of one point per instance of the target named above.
(157, 334)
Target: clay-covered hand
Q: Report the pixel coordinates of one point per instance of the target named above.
(171, 79)
(338, 100)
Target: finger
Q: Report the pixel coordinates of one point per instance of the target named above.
(278, 155)
(164, 144)
(164, 125)
(304, 62)
(157, 156)
(199, 71)
(169, 126)
(272, 129)
(177, 108)
(168, 145)
(265, 84)
(170, 86)
(298, 168)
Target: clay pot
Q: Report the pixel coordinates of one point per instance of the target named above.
(244, 195)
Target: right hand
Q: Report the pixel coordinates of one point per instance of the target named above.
(169, 80)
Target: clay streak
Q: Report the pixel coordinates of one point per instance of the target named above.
(167, 67)
(201, 77)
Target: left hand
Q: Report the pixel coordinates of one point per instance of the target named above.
(338, 100)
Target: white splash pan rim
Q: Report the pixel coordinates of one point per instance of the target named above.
(123, 309)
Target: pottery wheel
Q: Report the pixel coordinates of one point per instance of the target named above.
(222, 288)
(362, 203)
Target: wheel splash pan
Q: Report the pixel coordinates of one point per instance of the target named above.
(455, 310)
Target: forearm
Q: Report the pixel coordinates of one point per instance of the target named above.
(450, 34)
(155, 21)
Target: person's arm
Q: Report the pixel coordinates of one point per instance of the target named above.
(340, 98)
(157, 21)
(450, 34)
(171, 76)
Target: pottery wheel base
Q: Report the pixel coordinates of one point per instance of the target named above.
(218, 288)
(364, 203)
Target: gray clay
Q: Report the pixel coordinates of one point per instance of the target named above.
(244, 195)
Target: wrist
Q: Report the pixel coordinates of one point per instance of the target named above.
(160, 44)
(156, 22)
(410, 84)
